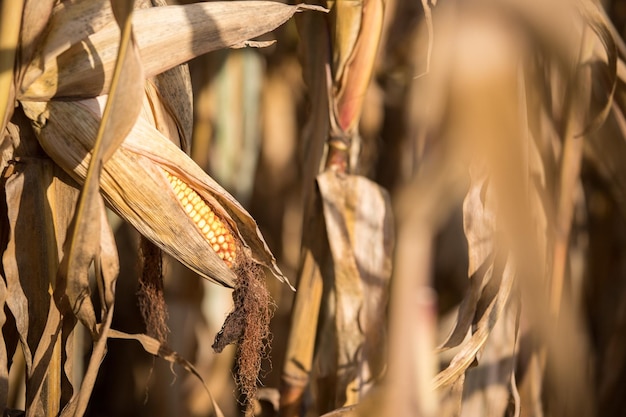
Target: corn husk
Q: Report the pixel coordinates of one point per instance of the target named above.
(134, 185)
(78, 57)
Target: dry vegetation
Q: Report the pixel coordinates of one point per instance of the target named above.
(443, 182)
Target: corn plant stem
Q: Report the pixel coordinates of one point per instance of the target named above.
(302, 333)
(10, 23)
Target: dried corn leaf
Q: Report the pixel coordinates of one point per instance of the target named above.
(487, 387)
(39, 207)
(78, 65)
(487, 317)
(479, 225)
(87, 244)
(156, 348)
(360, 233)
(35, 19)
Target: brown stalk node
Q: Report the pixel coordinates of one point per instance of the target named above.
(248, 326)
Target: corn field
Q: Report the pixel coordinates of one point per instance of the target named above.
(343, 208)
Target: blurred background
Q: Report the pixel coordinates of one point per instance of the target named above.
(252, 109)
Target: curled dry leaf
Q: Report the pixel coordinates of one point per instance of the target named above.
(157, 188)
(77, 58)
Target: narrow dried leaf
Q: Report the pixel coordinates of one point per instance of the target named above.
(487, 386)
(184, 33)
(470, 348)
(156, 348)
(77, 406)
(90, 241)
(10, 20)
(479, 222)
(37, 235)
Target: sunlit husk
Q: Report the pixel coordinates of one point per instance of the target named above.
(78, 56)
(135, 186)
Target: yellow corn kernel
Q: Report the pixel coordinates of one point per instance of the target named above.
(210, 225)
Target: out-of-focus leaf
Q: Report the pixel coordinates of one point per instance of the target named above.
(360, 233)
(593, 16)
(483, 327)
(348, 411)
(479, 224)
(79, 65)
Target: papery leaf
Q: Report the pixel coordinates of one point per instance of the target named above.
(360, 233)
(35, 19)
(359, 228)
(38, 187)
(86, 241)
(184, 33)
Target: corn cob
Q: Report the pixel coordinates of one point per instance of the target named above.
(213, 229)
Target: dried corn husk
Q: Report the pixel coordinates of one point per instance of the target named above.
(135, 185)
(78, 57)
